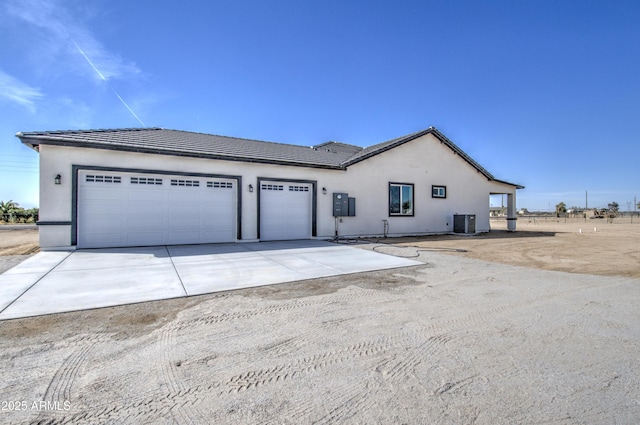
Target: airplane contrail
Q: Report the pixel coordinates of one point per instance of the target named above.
(107, 82)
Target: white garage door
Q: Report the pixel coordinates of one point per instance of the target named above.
(137, 209)
(285, 211)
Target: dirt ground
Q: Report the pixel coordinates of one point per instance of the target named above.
(18, 241)
(16, 245)
(455, 340)
(571, 245)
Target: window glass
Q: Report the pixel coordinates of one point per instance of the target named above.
(407, 200)
(394, 199)
(400, 199)
(438, 191)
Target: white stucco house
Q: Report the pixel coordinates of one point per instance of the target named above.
(152, 186)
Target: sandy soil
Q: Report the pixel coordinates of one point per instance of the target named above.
(18, 241)
(16, 245)
(453, 341)
(571, 245)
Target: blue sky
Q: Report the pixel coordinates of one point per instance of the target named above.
(541, 93)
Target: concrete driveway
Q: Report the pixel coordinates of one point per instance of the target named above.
(55, 282)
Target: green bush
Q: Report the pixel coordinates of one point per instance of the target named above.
(10, 212)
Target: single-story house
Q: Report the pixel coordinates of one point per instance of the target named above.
(152, 186)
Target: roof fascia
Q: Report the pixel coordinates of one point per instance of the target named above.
(517, 186)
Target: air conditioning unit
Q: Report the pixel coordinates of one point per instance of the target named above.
(464, 223)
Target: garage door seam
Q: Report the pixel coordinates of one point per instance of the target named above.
(176, 270)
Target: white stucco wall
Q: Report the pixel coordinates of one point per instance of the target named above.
(423, 162)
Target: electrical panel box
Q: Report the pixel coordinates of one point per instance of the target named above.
(352, 207)
(340, 204)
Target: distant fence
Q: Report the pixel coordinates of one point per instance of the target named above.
(622, 217)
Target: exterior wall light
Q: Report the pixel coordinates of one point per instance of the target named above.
(57, 179)
(250, 188)
(324, 190)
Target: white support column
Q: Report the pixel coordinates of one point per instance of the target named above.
(511, 212)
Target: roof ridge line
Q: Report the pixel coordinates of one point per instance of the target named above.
(81, 131)
(239, 138)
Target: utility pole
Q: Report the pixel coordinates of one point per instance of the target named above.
(586, 200)
(586, 205)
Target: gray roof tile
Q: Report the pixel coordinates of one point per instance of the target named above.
(184, 143)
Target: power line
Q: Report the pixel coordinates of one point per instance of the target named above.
(20, 162)
(19, 166)
(19, 171)
(17, 162)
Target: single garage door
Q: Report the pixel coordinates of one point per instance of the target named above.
(118, 209)
(285, 211)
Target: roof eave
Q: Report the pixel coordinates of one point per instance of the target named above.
(34, 142)
(25, 141)
(517, 186)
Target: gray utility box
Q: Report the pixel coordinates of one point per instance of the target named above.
(464, 223)
(343, 206)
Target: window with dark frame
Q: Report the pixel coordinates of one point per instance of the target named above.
(401, 199)
(438, 191)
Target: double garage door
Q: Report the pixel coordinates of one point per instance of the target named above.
(118, 209)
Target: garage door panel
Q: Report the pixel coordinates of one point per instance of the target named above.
(145, 196)
(103, 208)
(145, 223)
(185, 227)
(104, 239)
(153, 210)
(185, 237)
(138, 237)
(285, 210)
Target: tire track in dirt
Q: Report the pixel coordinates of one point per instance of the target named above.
(357, 396)
(59, 389)
(165, 403)
(150, 406)
(171, 378)
(178, 396)
(311, 305)
(306, 365)
(289, 346)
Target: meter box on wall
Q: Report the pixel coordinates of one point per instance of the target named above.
(343, 206)
(352, 207)
(340, 204)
